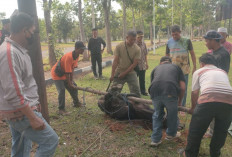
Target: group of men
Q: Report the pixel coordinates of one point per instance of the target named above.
(211, 97)
(21, 109)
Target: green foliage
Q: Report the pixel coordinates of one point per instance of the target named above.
(2, 16)
(42, 30)
(62, 20)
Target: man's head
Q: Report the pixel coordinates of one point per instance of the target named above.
(79, 49)
(175, 30)
(131, 38)
(207, 58)
(224, 33)
(212, 39)
(6, 24)
(94, 32)
(165, 59)
(139, 36)
(22, 27)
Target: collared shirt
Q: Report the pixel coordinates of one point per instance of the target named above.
(17, 84)
(142, 62)
(213, 83)
(179, 52)
(228, 46)
(223, 58)
(124, 60)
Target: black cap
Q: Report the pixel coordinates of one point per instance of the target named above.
(5, 21)
(166, 58)
(212, 35)
(80, 45)
(94, 29)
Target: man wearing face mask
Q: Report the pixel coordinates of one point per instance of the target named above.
(19, 100)
(68, 63)
(126, 58)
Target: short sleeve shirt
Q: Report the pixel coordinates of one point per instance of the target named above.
(165, 79)
(179, 52)
(68, 64)
(213, 83)
(124, 61)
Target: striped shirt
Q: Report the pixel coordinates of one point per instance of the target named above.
(213, 83)
(17, 85)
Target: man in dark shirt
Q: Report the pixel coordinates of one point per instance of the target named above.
(167, 91)
(5, 32)
(94, 46)
(212, 39)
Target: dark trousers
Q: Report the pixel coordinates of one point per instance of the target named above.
(96, 58)
(61, 85)
(202, 116)
(141, 75)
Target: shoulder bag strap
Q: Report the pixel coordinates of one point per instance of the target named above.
(128, 53)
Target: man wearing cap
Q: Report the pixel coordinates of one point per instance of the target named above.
(143, 65)
(227, 45)
(212, 39)
(94, 46)
(5, 32)
(67, 63)
(166, 91)
(178, 48)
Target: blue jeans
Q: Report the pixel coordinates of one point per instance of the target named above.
(171, 105)
(186, 89)
(46, 139)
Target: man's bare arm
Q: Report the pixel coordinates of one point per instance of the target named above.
(194, 98)
(193, 56)
(122, 75)
(182, 92)
(114, 66)
(70, 81)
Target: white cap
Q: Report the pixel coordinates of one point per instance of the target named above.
(223, 30)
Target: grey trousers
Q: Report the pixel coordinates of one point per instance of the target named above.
(61, 85)
(132, 81)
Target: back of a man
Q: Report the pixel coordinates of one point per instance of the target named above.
(167, 91)
(211, 99)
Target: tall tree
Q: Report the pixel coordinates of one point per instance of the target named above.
(78, 9)
(93, 14)
(124, 18)
(47, 16)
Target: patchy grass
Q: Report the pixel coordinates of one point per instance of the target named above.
(89, 132)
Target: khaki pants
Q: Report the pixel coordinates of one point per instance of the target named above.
(131, 80)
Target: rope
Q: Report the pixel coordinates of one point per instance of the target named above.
(124, 96)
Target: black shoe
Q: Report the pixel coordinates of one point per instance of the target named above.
(145, 94)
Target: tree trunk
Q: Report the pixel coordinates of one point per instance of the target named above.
(93, 14)
(124, 20)
(151, 33)
(51, 41)
(82, 33)
(133, 15)
(29, 7)
(106, 7)
(142, 23)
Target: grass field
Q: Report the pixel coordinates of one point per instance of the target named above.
(89, 132)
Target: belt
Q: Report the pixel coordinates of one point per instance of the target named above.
(18, 115)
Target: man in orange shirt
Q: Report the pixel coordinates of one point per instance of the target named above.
(68, 63)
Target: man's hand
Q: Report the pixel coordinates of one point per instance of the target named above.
(37, 123)
(121, 75)
(191, 110)
(102, 50)
(111, 78)
(147, 66)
